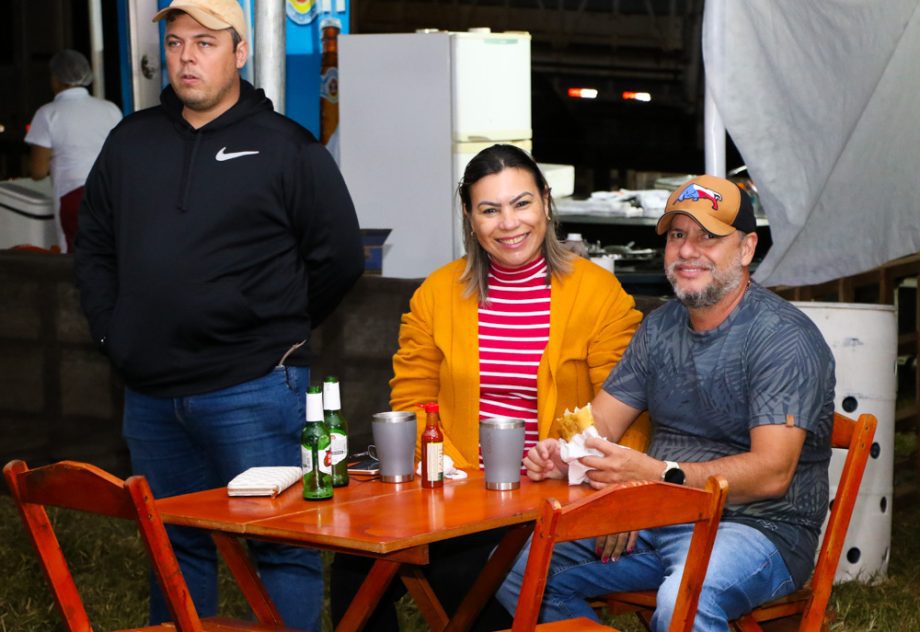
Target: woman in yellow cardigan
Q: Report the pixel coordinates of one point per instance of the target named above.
(509, 225)
(591, 321)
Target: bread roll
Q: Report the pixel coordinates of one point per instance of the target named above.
(572, 423)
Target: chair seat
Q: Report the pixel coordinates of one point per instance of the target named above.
(216, 624)
(632, 600)
(784, 606)
(580, 624)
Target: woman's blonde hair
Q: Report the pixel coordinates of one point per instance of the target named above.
(490, 161)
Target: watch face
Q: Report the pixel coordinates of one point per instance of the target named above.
(674, 475)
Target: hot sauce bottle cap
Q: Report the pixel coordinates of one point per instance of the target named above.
(430, 407)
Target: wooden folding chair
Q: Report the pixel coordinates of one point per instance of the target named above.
(84, 487)
(621, 508)
(809, 603)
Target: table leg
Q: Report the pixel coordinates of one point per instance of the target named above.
(423, 595)
(244, 572)
(490, 578)
(372, 589)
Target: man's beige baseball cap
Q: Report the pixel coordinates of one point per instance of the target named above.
(213, 14)
(716, 204)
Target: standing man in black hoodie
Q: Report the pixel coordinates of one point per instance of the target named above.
(214, 234)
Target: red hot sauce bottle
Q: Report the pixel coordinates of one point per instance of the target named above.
(432, 448)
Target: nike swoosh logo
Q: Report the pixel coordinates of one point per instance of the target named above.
(223, 154)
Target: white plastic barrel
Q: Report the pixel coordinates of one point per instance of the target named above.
(867, 546)
(864, 341)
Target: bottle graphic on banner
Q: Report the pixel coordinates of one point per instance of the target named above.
(329, 85)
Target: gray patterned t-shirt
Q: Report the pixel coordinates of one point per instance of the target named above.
(767, 363)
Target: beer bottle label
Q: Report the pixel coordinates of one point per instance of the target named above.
(329, 85)
(325, 461)
(306, 459)
(338, 447)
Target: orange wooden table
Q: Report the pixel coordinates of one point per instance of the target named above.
(392, 522)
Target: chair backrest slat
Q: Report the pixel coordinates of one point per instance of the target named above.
(77, 486)
(631, 510)
(842, 432)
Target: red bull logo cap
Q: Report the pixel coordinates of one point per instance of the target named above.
(716, 204)
(216, 15)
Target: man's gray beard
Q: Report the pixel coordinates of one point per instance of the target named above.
(723, 283)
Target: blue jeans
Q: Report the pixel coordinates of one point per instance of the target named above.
(745, 570)
(188, 444)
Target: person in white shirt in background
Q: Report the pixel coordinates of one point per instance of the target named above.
(66, 135)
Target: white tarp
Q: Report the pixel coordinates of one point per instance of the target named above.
(822, 100)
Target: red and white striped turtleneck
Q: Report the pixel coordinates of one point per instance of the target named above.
(513, 332)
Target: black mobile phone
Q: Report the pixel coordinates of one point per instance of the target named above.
(366, 465)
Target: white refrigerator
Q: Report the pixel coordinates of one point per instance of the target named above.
(414, 108)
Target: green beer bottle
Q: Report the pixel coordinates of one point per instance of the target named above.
(316, 458)
(338, 430)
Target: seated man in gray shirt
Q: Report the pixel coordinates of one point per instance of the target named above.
(738, 382)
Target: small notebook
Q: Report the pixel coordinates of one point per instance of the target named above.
(264, 481)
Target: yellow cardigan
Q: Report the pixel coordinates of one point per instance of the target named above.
(592, 319)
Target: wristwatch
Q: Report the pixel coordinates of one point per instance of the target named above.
(672, 473)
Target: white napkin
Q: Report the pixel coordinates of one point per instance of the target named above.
(450, 471)
(264, 481)
(571, 451)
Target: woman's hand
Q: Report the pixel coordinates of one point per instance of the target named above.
(543, 461)
(610, 547)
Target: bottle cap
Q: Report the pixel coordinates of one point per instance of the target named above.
(337, 23)
(430, 407)
(573, 237)
(331, 398)
(314, 404)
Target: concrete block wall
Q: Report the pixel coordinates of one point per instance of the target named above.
(59, 397)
